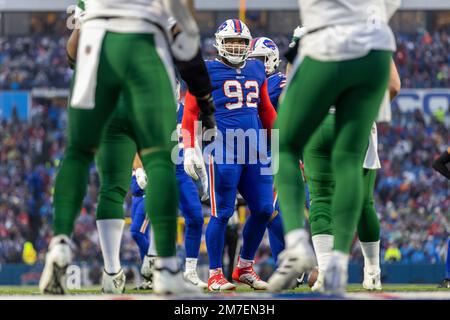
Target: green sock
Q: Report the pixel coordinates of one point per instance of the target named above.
(369, 224)
(161, 201)
(70, 189)
(291, 192)
(347, 204)
(114, 162)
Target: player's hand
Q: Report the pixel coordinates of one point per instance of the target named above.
(184, 46)
(206, 116)
(193, 163)
(299, 32)
(202, 175)
(141, 178)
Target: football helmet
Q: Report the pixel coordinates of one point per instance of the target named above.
(234, 53)
(266, 48)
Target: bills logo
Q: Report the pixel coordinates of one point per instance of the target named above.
(269, 44)
(222, 27)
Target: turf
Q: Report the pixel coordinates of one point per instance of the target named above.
(33, 290)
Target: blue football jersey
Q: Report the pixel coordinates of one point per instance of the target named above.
(180, 110)
(275, 85)
(236, 93)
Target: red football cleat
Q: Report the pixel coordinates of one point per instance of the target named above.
(248, 276)
(218, 282)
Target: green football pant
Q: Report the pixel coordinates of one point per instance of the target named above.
(356, 88)
(114, 162)
(140, 75)
(319, 174)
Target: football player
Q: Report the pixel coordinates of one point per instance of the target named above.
(338, 53)
(241, 97)
(442, 165)
(107, 72)
(267, 51)
(140, 224)
(321, 181)
(320, 177)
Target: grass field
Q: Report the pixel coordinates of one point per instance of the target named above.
(241, 290)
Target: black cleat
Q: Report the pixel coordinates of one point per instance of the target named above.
(445, 284)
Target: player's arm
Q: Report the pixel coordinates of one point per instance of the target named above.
(190, 116)
(193, 162)
(290, 56)
(394, 82)
(72, 43)
(188, 59)
(292, 52)
(442, 164)
(266, 111)
(72, 47)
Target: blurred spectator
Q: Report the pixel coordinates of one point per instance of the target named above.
(29, 255)
(392, 254)
(423, 59)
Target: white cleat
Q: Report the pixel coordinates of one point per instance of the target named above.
(192, 277)
(372, 280)
(53, 278)
(113, 283)
(336, 275)
(166, 281)
(293, 262)
(318, 285)
(148, 267)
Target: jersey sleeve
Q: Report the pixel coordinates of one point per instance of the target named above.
(190, 115)
(80, 4)
(266, 111)
(79, 9)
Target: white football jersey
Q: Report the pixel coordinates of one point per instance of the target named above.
(136, 13)
(346, 29)
(320, 13)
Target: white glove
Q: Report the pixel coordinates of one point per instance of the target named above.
(141, 178)
(299, 32)
(193, 163)
(202, 174)
(185, 47)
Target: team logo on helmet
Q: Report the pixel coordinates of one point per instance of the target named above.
(222, 26)
(269, 44)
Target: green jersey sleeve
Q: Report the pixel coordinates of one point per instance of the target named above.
(80, 4)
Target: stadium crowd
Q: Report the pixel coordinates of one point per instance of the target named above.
(423, 60)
